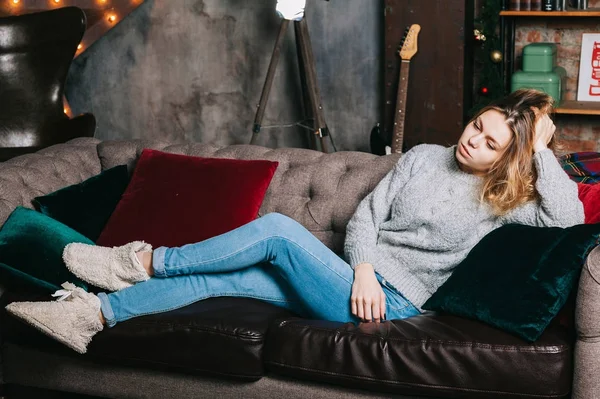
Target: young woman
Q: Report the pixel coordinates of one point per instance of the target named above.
(402, 243)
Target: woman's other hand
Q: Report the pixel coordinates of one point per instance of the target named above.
(544, 130)
(367, 300)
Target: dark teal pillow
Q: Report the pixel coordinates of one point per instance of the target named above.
(87, 206)
(517, 277)
(22, 282)
(31, 247)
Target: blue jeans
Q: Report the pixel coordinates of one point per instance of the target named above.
(273, 259)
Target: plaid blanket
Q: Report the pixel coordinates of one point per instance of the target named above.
(582, 167)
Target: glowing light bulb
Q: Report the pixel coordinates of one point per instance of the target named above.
(65, 110)
(57, 1)
(112, 18)
(16, 1)
(79, 46)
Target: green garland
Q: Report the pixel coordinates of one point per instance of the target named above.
(488, 71)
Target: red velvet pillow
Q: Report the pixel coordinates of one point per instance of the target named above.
(174, 200)
(589, 195)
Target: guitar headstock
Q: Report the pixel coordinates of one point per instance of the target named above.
(408, 46)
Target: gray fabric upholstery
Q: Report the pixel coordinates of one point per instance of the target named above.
(586, 378)
(321, 191)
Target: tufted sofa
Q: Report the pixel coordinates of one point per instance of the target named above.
(235, 347)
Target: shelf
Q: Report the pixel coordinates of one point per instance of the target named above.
(564, 107)
(578, 13)
(578, 108)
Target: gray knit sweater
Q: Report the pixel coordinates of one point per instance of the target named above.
(424, 217)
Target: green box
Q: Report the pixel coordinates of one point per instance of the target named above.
(552, 83)
(539, 57)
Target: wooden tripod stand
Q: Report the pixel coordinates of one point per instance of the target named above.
(308, 77)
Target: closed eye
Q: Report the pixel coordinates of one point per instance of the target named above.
(478, 127)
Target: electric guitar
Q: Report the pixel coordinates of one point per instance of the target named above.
(408, 48)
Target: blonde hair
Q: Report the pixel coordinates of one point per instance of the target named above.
(510, 182)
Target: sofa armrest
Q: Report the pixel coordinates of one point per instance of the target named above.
(586, 384)
(1, 343)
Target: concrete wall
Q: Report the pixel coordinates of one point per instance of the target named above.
(193, 70)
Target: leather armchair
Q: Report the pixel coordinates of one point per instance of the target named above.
(36, 51)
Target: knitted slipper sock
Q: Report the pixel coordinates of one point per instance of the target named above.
(72, 320)
(109, 268)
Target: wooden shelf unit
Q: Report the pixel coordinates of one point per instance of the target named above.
(567, 107)
(573, 107)
(578, 13)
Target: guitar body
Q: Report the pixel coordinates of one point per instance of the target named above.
(377, 141)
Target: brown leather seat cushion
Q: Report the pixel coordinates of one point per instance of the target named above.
(433, 355)
(218, 336)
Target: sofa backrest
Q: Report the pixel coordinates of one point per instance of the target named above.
(321, 191)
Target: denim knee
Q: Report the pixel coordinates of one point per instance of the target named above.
(280, 224)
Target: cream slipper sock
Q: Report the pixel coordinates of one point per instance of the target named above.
(73, 319)
(109, 268)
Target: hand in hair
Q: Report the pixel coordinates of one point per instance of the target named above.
(544, 130)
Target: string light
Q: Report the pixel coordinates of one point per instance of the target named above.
(66, 107)
(112, 15)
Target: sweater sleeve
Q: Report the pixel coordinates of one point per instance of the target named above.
(559, 204)
(362, 229)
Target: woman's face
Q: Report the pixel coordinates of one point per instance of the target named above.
(483, 141)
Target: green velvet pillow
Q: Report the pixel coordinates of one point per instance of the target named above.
(31, 247)
(87, 206)
(517, 277)
(22, 282)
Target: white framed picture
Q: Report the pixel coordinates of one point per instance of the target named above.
(588, 88)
